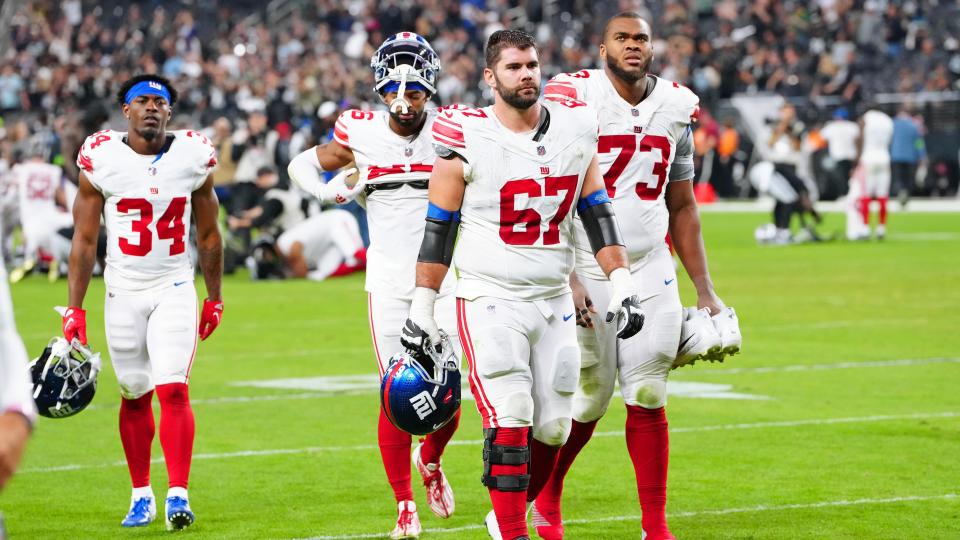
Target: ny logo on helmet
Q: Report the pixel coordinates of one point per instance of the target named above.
(423, 404)
(64, 411)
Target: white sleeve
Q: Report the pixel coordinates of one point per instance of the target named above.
(14, 381)
(305, 169)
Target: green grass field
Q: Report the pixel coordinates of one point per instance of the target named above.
(853, 430)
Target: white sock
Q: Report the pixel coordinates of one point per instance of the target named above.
(177, 492)
(141, 492)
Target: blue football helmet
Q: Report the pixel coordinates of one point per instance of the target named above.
(405, 61)
(420, 395)
(64, 378)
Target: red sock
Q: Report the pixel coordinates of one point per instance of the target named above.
(510, 506)
(136, 434)
(395, 453)
(543, 459)
(865, 210)
(883, 210)
(434, 443)
(549, 498)
(176, 431)
(649, 447)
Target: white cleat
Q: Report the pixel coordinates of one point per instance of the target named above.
(699, 339)
(493, 528)
(20, 272)
(439, 492)
(728, 326)
(408, 522)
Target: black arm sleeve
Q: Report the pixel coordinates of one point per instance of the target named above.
(439, 236)
(601, 226)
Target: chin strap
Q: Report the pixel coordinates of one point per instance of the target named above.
(400, 104)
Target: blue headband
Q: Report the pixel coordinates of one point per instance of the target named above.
(393, 86)
(144, 88)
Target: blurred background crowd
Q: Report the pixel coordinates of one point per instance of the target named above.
(265, 80)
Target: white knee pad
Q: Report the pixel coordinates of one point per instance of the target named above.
(644, 369)
(593, 397)
(553, 433)
(649, 394)
(134, 385)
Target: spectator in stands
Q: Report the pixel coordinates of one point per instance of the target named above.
(13, 95)
(253, 149)
(224, 174)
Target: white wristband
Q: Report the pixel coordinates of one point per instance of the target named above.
(424, 299)
(621, 279)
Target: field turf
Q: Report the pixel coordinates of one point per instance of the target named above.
(841, 418)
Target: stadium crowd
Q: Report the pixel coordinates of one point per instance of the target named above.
(266, 81)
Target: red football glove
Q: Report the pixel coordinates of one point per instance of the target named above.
(75, 324)
(210, 317)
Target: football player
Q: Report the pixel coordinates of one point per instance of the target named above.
(510, 178)
(148, 182)
(394, 152)
(17, 410)
(645, 151)
(39, 184)
(324, 245)
(873, 147)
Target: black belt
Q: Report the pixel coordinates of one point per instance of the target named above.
(416, 184)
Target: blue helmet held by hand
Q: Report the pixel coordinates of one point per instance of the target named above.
(64, 378)
(420, 395)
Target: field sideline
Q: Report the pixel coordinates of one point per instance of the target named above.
(841, 419)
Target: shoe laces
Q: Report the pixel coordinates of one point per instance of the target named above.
(141, 506)
(405, 519)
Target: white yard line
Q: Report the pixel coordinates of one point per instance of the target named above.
(677, 374)
(820, 367)
(693, 513)
(477, 442)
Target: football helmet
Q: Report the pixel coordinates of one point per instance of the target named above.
(64, 378)
(421, 394)
(265, 261)
(405, 61)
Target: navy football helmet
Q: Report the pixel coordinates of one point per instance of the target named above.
(64, 378)
(405, 61)
(420, 395)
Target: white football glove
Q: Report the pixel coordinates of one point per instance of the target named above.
(420, 333)
(624, 307)
(337, 191)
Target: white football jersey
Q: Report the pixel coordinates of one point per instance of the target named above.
(317, 235)
(636, 149)
(516, 230)
(147, 205)
(877, 136)
(37, 184)
(397, 170)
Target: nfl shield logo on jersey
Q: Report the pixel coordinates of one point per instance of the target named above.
(541, 151)
(408, 151)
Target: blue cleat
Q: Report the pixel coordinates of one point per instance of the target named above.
(179, 515)
(142, 512)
